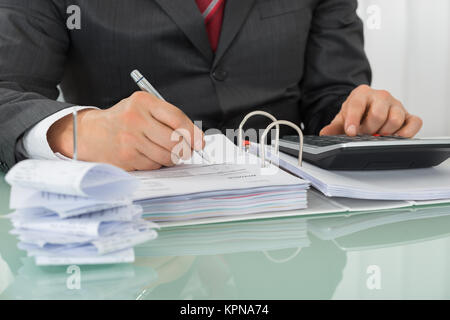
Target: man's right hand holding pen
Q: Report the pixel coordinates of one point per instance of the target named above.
(141, 132)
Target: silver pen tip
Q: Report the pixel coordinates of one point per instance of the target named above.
(136, 75)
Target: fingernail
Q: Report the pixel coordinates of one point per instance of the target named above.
(175, 158)
(351, 130)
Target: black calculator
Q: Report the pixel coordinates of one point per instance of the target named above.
(368, 152)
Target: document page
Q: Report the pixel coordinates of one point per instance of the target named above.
(76, 212)
(229, 169)
(407, 185)
(76, 178)
(191, 179)
(89, 225)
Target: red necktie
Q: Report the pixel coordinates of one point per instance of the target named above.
(212, 12)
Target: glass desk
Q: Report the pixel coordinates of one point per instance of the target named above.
(389, 255)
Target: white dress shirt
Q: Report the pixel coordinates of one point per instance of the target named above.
(35, 139)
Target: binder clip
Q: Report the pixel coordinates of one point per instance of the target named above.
(277, 123)
(246, 145)
(241, 144)
(75, 135)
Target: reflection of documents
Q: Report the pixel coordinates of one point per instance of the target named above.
(117, 281)
(122, 256)
(6, 276)
(361, 231)
(227, 238)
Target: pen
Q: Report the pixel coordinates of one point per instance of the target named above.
(146, 86)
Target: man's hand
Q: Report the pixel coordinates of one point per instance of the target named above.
(370, 111)
(139, 133)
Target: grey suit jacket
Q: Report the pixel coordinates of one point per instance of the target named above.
(298, 59)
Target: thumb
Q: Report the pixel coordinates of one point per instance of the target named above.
(336, 127)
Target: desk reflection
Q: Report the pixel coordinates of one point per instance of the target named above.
(368, 231)
(121, 281)
(277, 259)
(215, 248)
(6, 276)
(290, 258)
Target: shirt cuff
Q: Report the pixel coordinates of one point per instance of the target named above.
(35, 141)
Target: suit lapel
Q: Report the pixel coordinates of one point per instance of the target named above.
(236, 11)
(187, 16)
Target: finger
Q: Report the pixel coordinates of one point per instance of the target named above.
(412, 126)
(199, 139)
(336, 127)
(156, 153)
(395, 121)
(143, 163)
(162, 135)
(177, 120)
(354, 112)
(182, 148)
(376, 116)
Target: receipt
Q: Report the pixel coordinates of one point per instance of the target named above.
(75, 178)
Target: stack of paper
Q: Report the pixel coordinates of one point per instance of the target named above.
(231, 183)
(70, 212)
(408, 185)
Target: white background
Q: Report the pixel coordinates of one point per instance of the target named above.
(410, 56)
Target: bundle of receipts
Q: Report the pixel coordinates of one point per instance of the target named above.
(73, 212)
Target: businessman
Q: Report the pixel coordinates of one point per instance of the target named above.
(213, 60)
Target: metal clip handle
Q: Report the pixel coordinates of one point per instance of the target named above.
(260, 113)
(264, 137)
(75, 135)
